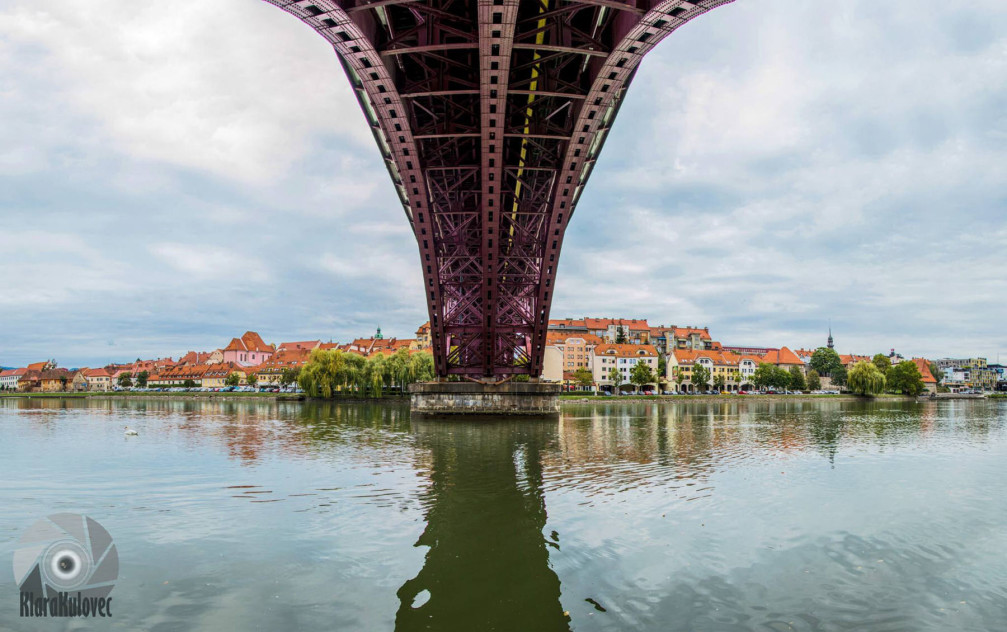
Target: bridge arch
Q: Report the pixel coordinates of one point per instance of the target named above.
(490, 115)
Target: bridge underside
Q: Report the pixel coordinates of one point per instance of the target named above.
(490, 115)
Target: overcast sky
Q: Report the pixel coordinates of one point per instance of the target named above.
(170, 178)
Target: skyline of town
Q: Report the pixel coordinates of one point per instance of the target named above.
(609, 350)
(169, 350)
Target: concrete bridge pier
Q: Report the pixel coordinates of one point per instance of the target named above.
(473, 398)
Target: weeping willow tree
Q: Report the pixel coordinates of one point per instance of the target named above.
(337, 373)
(865, 378)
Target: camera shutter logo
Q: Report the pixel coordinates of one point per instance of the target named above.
(66, 553)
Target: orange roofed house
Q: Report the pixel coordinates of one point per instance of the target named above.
(287, 357)
(10, 378)
(736, 369)
(423, 336)
(667, 339)
(369, 346)
(635, 331)
(606, 357)
(929, 381)
(98, 379)
(566, 352)
(249, 350)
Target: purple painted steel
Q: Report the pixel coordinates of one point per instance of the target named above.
(490, 115)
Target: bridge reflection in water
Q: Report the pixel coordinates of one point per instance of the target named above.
(487, 567)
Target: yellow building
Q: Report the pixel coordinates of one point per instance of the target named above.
(216, 375)
(736, 369)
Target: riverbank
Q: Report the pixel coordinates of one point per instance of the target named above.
(565, 398)
(578, 398)
(158, 395)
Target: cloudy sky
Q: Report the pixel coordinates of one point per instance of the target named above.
(177, 173)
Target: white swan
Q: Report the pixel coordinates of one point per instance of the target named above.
(131, 433)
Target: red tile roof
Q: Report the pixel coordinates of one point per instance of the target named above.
(367, 346)
(249, 341)
(691, 356)
(783, 355)
(568, 323)
(304, 345)
(632, 324)
(853, 358)
(560, 337)
(195, 357)
(223, 369)
(284, 360)
(626, 351)
(680, 332)
(924, 366)
(254, 342)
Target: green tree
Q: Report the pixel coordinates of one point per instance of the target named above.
(936, 372)
(421, 367)
(141, 378)
(736, 378)
(376, 373)
(719, 382)
(881, 361)
(797, 382)
(763, 376)
(252, 379)
(905, 377)
(326, 373)
(839, 376)
(700, 376)
(679, 378)
(189, 384)
(641, 374)
(825, 361)
(232, 380)
(615, 376)
(662, 367)
(583, 377)
(397, 369)
(865, 378)
(620, 335)
(814, 381)
(289, 375)
(126, 380)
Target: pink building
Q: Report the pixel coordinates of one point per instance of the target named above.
(249, 350)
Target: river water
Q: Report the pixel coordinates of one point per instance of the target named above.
(693, 516)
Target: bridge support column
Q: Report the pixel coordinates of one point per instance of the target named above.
(471, 398)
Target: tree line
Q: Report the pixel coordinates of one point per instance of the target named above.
(335, 373)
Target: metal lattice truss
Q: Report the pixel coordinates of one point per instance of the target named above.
(490, 115)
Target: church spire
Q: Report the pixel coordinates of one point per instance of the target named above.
(830, 335)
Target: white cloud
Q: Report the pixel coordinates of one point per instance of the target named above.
(209, 262)
(237, 88)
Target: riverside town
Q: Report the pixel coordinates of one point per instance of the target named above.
(603, 356)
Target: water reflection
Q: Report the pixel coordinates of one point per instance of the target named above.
(487, 564)
(726, 515)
